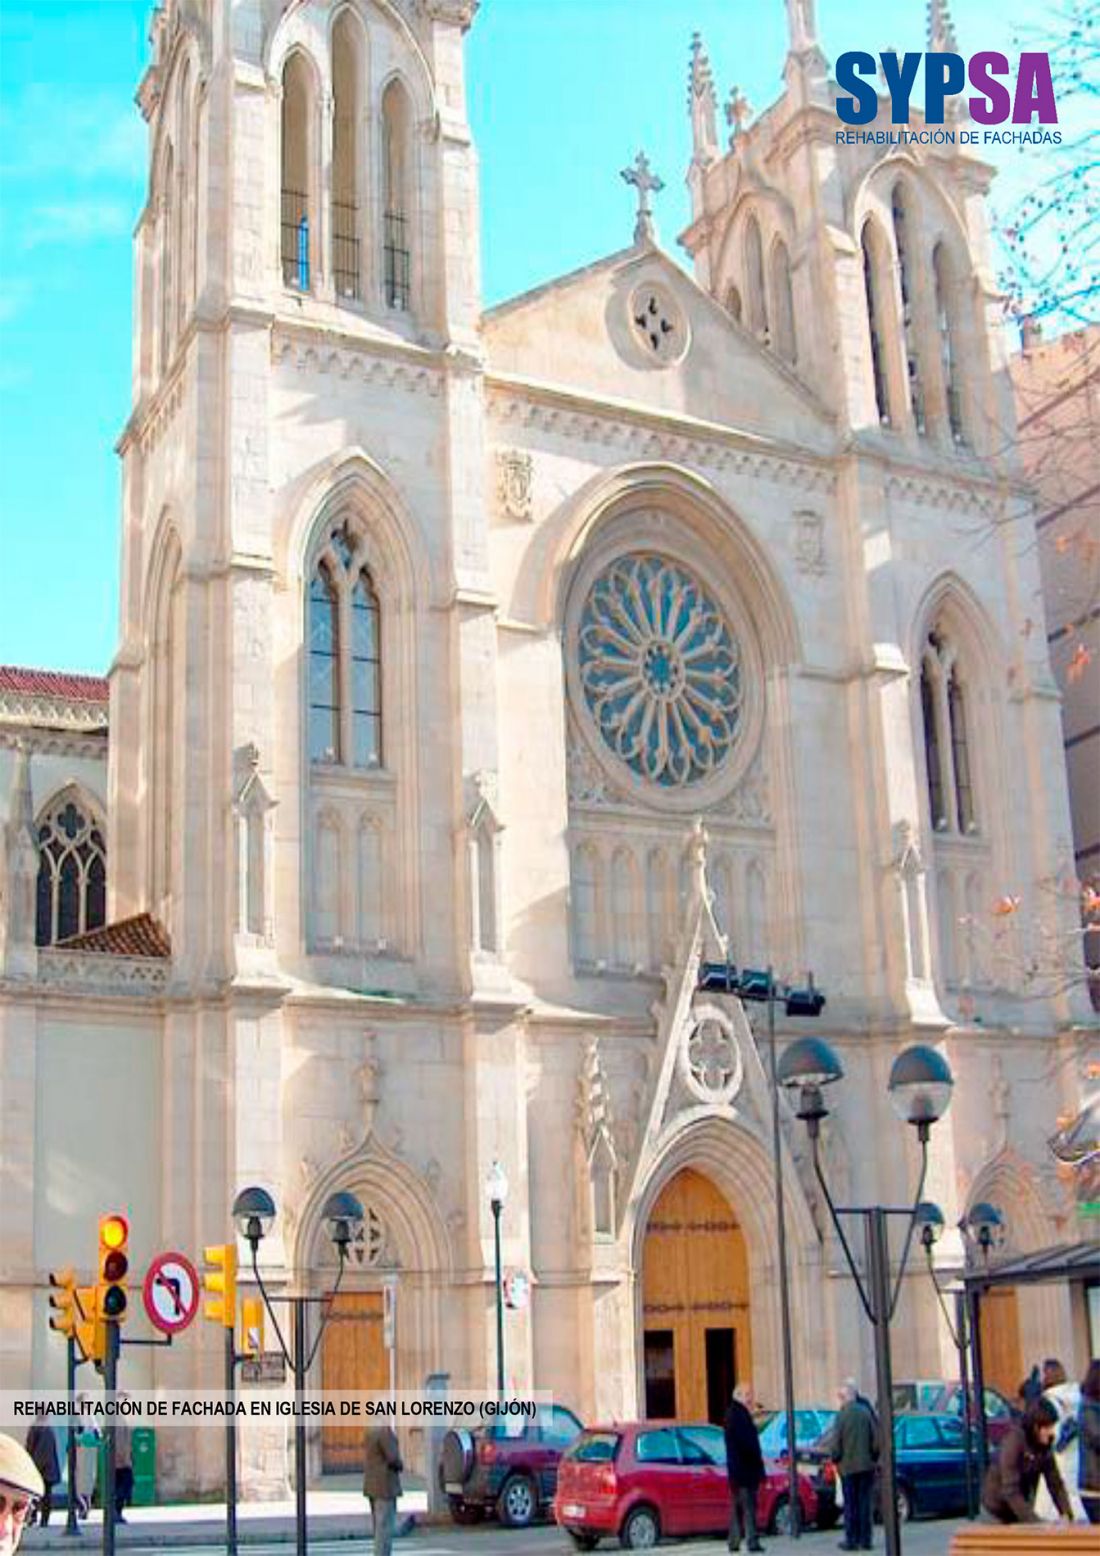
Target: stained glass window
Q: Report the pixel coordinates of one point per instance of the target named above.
(324, 669)
(660, 669)
(72, 873)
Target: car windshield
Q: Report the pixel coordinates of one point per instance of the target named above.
(594, 1448)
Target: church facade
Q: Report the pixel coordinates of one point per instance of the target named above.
(483, 672)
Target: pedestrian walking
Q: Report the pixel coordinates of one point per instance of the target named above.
(42, 1447)
(20, 1487)
(382, 1468)
(1025, 1456)
(744, 1467)
(853, 1445)
(1088, 1443)
(124, 1468)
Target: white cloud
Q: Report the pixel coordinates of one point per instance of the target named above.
(48, 131)
(75, 221)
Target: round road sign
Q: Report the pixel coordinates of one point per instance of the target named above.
(171, 1292)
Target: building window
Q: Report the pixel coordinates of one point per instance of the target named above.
(297, 184)
(754, 281)
(345, 156)
(906, 282)
(397, 196)
(72, 872)
(345, 656)
(875, 299)
(783, 302)
(946, 324)
(944, 714)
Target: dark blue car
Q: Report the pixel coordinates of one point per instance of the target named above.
(930, 1454)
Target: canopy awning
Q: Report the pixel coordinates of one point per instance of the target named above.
(1067, 1261)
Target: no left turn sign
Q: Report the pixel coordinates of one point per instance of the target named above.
(171, 1292)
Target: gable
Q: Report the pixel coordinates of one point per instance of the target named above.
(583, 333)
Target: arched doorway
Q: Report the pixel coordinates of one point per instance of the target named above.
(696, 1332)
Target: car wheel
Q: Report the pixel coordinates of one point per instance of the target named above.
(906, 1506)
(464, 1512)
(641, 1530)
(518, 1503)
(583, 1540)
(781, 1517)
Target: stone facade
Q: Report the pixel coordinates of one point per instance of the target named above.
(421, 830)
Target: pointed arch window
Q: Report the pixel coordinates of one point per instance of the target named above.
(754, 281)
(166, 257)
(945, 718)
(783, 302)
(947, 327)
(874, 294)
(907, 283)
(397, 196)
(346, 74)
(72, 871)
(344, 634)
(298, 203)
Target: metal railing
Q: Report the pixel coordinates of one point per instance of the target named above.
(295, 240)
(397, 265)
(345, 249)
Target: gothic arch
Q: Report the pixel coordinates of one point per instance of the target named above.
(380, 1179)
(290, 25)
(1006, 1182)
(739, 1163)
(705, 516)
(948, 594)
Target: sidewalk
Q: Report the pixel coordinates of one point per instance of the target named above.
(333, 1515)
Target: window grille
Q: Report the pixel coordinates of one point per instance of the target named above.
(397, 265)
(295, 240)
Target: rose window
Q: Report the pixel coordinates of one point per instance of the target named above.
(660, 669)
(713, 1059)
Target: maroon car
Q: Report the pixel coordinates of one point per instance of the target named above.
(509, 1467)
(647, 1479)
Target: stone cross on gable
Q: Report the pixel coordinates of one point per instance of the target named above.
(646, 182)
(738, 112)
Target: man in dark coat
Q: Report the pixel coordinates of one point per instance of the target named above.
(745, 1468)
(853, 1445)
(382, 1468)
(42, 1447)
(1026, 1453)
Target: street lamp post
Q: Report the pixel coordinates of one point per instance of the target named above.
(253, 1214)
(931, 1223)
(759, 987)
(983, 1230)
(920, 1090)
(496, 1187)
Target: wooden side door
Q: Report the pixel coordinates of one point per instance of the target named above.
(1002, 1361)
(352, 1357)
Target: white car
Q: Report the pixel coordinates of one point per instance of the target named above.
(1066, 1399)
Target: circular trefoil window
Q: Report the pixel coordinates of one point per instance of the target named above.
(660, 669)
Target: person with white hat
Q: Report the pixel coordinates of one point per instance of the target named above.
(20, 1487)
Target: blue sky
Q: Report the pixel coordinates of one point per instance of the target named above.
(562, 94)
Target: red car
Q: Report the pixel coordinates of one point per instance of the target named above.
(647, 1479)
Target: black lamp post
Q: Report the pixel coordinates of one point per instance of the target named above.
(920, 1090)
(757, 986)
(983, 1229)
(496, 1187)
(253, 1214)
(931, 1223)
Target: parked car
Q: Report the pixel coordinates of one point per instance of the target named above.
(643, 1480)
(809, 1425)
(509, 1467)
(943, 1397)
(930, 1460)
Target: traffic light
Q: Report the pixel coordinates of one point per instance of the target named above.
(114, 1264)
(252, 1327)
(90, 1334)
(220, 1284)
(64, 1312)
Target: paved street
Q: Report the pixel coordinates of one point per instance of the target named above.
(919, 1539)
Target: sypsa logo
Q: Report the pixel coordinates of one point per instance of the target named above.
(945, 76)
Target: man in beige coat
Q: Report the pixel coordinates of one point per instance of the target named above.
(382, 1482)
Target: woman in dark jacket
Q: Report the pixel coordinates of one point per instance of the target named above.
(1026, 1454)
(1088, 1443)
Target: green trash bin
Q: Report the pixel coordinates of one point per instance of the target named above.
(145, 1466)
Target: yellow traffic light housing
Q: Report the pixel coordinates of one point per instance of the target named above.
(252, 1327)
(64, 1312)
(220, 1284)
(111, 1298)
